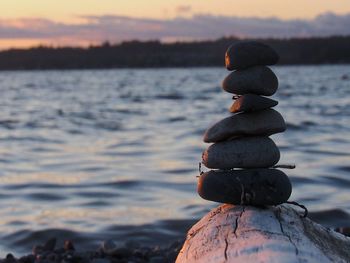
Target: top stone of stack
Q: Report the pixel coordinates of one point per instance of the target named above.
(245, 54)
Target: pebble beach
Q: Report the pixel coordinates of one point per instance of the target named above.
(107, 252)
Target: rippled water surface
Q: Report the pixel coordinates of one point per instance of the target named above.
(92, 155)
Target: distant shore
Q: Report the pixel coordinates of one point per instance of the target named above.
(154, 54)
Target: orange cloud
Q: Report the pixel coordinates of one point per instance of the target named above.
(96, 29)
(183, 9)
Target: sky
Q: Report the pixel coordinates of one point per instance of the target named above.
(25, 23)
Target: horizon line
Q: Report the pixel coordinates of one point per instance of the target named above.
(111, 44)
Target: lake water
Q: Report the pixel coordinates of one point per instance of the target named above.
(113, 154)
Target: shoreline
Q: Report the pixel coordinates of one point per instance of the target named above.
(155, 54)
(166, 67)
(107, 252)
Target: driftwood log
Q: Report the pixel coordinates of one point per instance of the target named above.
(274, 234)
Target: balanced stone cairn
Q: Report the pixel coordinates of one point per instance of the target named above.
(242, 154)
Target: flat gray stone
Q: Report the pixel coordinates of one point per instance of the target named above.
(252, 102)
(265, 122)
(245, 187)
(244, 152)
(245, 54)
(259, 80)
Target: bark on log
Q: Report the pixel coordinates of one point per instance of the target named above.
(274, 234)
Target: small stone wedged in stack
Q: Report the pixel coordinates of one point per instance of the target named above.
(252, 102)
(242, 152)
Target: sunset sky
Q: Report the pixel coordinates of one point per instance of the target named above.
(81, 22)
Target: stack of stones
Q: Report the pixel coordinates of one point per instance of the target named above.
(242, 154)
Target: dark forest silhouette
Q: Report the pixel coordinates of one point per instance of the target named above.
(136, 54)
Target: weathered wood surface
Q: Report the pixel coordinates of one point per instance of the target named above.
(249, 234)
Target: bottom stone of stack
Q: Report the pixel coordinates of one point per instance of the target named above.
(245, 187)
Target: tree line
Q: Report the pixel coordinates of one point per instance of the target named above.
(152, 54)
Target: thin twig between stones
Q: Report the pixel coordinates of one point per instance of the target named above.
(285, 166)
(302, 206)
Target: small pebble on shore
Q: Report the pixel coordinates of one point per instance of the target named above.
(108, 252)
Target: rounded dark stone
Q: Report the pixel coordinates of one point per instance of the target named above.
(265, 122)
(259, 80)
(245, 152)
(245, 54)
(27, 259)
(68, 245)
(252, 102)
(245, 187)
(50, 244)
